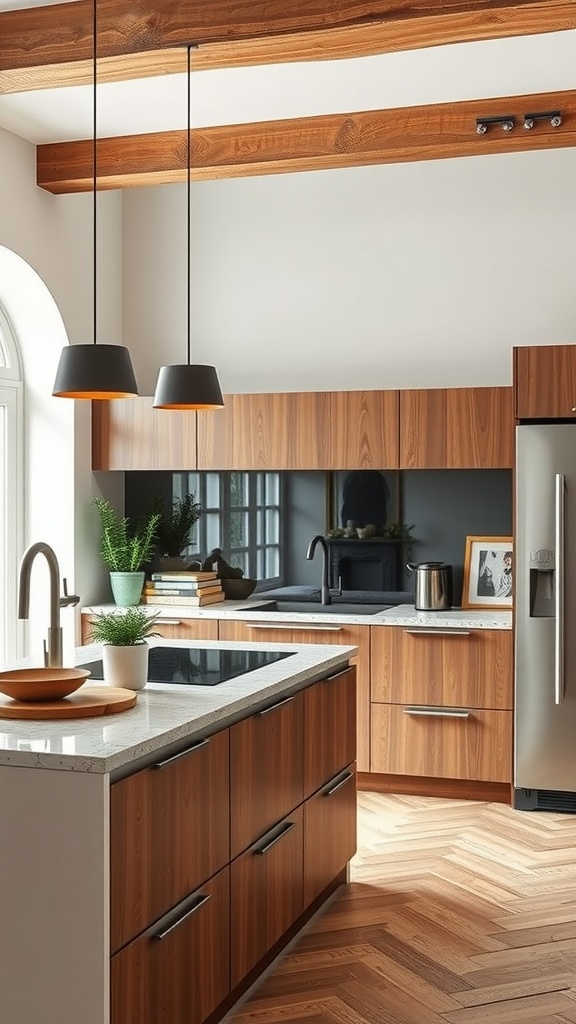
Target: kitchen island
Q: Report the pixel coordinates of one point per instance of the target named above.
(154, 861)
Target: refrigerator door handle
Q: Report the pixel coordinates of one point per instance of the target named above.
(559, 678)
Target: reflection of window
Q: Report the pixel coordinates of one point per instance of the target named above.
(11, 503)
(241, 515)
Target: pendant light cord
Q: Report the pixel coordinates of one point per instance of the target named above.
(94, 178)
(188, 184)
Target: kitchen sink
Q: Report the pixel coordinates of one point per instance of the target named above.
(306, 607)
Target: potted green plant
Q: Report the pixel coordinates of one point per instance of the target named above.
(174, 533)
(125, 548)
(125, 650)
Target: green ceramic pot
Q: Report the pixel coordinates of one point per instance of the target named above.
(127, 587)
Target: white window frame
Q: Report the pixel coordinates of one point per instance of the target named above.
(12, 497)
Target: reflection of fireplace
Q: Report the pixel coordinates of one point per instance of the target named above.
(373, 564)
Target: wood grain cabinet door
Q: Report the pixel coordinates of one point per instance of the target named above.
(170, 628)
(442, 742)
(329, 728)
(265, 431)
(363, 427)
(130, 434)
(266, 769)
(266, 893)
(329, 832)
(455, 667)
(545, 382)
(169, 832)
(178, 971)
(457, 428)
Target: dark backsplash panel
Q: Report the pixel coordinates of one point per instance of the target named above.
(445, 507)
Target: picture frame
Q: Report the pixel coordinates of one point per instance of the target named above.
(488, 572)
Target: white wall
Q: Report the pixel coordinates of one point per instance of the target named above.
(46, 289)
(408, 275)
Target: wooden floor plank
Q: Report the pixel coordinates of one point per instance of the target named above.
(458, 912)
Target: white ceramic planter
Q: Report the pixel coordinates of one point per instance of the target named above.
(126, 666)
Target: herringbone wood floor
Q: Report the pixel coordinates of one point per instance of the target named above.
(458, 912)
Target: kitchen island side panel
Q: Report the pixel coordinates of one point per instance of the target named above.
(54, 885)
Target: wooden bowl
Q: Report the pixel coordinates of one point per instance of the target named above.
(37, 684)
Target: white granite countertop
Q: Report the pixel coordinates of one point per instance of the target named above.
(164, 714)
(402, 615)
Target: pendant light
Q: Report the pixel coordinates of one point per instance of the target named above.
(187, 386)
(92, 370)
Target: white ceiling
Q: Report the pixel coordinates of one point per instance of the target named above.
(502, 67)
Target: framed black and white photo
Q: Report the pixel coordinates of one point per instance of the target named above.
(488, 573)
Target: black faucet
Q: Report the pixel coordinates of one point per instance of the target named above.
(326, 597)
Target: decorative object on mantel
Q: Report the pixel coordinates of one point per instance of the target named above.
(125, 649)
(235, 587)
(185, 386)
(91, 370)
(125, 549)
(391, 531)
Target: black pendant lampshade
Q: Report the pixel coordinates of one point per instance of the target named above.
(186, 386)
(92, 370)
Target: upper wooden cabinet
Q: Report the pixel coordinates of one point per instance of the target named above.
(545, 382)
(457, 428)
(303, 430)
(130, 434)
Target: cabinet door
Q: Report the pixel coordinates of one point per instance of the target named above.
(302, 633)
(329, 728)
(266, 893)
(178, 971)
(329, 832)
(267, 431)
(545, 382)
(457, 428)
(130, 434)
(445, 743)
(169, 628)
(363, 430)
(169, 832)
(461, 668)
(266, 774)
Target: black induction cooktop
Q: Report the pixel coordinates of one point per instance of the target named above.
(198, 666)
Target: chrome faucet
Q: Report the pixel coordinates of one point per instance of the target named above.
(52, 649)
(326, 596)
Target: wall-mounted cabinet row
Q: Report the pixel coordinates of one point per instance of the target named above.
(448, 428)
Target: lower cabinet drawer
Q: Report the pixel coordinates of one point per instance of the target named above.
(329, 832)
(178, 971)
(266, 893)
(447, 743)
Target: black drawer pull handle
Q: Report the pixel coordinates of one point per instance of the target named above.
(273, 707)
(330, 679)
(183, 753)
(341, 782)
(287, 828)
(188, 913)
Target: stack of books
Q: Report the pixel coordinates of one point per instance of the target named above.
(190, 588)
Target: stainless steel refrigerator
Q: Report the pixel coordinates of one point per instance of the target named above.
(545, 618)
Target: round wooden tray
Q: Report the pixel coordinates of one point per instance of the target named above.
(86, 702)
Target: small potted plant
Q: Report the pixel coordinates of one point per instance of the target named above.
(125, 549)
(125, 649)
(174, 533)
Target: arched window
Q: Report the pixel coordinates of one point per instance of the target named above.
(11, 495)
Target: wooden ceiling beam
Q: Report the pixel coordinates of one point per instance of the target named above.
(49, 47)
(397, 135)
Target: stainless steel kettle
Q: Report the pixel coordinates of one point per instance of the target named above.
(433, 586)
